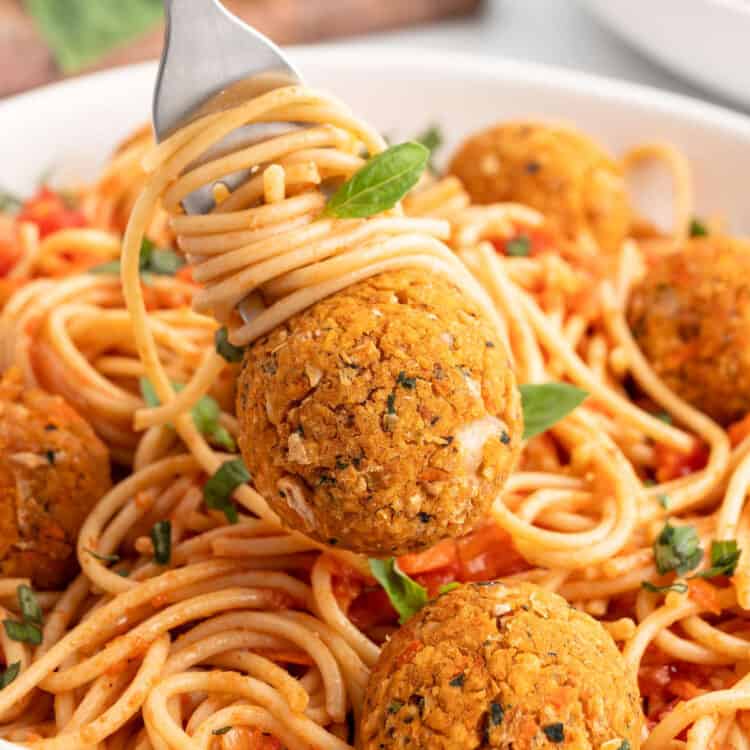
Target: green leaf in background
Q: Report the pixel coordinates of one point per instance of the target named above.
(406, 595)
(546, 403)
(81, 31)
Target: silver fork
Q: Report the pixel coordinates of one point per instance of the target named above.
(210, 62)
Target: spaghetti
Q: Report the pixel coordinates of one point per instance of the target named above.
(252, 636)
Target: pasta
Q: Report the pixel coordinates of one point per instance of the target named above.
(254, 636)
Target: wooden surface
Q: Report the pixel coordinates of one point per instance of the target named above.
(26, 62)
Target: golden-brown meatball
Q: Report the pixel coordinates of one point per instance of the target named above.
(691, 318)
(500, 666)
(384, 418)
(554, 169)
(53, 469)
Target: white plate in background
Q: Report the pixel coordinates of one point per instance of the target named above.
(706, 41)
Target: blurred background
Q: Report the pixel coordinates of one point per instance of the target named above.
(696, 47)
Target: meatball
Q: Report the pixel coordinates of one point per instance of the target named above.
(384, 418)
(554, 169)
(494, 665)
(691, 318)
(53, 469)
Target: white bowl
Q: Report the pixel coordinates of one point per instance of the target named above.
(73, 126)
(707, 41)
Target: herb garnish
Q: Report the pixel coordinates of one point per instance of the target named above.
(222, 730)
(545, 404)
(161, 537)
(225, 348)
(10, 674)
(395, 706)
(404, 382)
(677, 548)
(217, 492)
(664, 416)
(9, 203)
(152, 259)
(206, 415)
(678, 587)
(518, 247)
(406, 595)
(698, 228)
(446, 588)
(624, 745)
(555, 732)
(27, 631)
(663, 499)
(27, 601)
(380, 183)
(458, 680)
(432, 140)
(104, 558)
(724, 557)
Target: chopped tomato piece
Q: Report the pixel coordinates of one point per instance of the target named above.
(488, 553)
(434, 580)
(442, 555)
(49, 211)
(9, 255)
(671, 464)
(538, 240)
(372, 607)
(704, 594)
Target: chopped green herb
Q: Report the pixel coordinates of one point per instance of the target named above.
(395, 706)
(341, 465)
(424, 517)
(225, 348)
(51, 457)
(624, 745)
(406, 595)
(494, 716)
(123, 573)
(649, 482)
(724, 557)
(446, 588)
(29, 605)
(10, 674)
(518, 247)
(104, 558)
(25, 632)
(677, 548)
(149, 393)
(458, 680)
(161, 537)
(404, 382)
(545, 404)
(555, 732)
(663, 499)
(390, 404)
(432, 140)
(221, 730)
(380, 183)
(9, 203)
(326, 479)
(217, 492)
(679, 587)
(160, 261)
(664, 417)
(698, 228)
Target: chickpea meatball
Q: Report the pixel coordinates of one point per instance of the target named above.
(384, 418)
(691, 318)
(500, 666)
(556, 170)
(53, 470)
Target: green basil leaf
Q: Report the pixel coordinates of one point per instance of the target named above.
(518, 247)
(110, 268)
(217, 492)
(679, 587)
(406, 595)
(432, 140)
(29, 605)
(381, 183)
(104, 558)
(222, 730)
(547, 403)
(225, 348)
(677, 548)
(79, 32)
(446, 588)
(10, 674)
(25, 632)
(698, 228)
(164, 262)
(161, 537)
(9, 203)
(149, 393)
(724, 558)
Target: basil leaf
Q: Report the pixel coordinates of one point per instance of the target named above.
(9, 203)
(724, 558)
(432, 140)
(446, 588)
(159, 261)
(677, 548)
(518, 247)
(225, 348)
(406, 595)
(25, 632)
(161, 537)
(27, 601)
(149, 393)
(217, 492)
(79, 32)
(547, 403)
(10, 674)
(679, 587)
(381, 183)
(104, 558)
(697, 228)
(222, 730)
(110, 268)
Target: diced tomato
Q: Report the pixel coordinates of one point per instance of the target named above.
(488, 553)
(671, 464)
(539, 238)
(10, 252)
(704, 594)
(434, 580)
(49, 212)
(444, 554)
(347, 585)
(739, 430)
(372, 607)
(185, 274)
